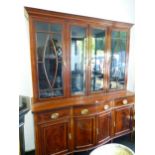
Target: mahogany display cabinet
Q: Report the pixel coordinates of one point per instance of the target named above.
(79, 73)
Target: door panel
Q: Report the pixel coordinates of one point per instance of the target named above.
(84, 132)
(122, 120)
(78, 60)
(97, 59)
(118, 59)
(49, 59)
(54, 137)
(104, 127)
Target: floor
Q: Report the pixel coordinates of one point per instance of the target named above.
(125, 140)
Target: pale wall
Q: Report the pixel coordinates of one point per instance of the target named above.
(120, 10)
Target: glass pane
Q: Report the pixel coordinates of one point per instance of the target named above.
(97, 59)
(41, 26)
(48, 27)
(118, 58)
(58, 45)
(41, 39)
(49, 59)
(43, 84)
(118, 34)
(78, 44)
(56, 28)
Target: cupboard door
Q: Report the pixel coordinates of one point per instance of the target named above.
(54, 137)
(118, 59)
(97, 59)
(49, 59)
(123, 120)
(78, 45)
(84, 132)
(103, 127)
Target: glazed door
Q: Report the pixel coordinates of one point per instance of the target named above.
(55, 137)
(103, 128)
(49, 59)
(122, 121)
(84, 130)
(118, 67)
(78, 54)
(97, 59)
(87, 63)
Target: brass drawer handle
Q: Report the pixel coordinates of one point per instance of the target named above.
(125, 101)
(106, 107)
(128, 117)
(54, 115)
(64, 63)
(84, 111)
(96, 101)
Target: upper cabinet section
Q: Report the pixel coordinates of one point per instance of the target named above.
(76, 55)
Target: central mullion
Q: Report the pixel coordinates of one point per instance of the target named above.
(88, 64)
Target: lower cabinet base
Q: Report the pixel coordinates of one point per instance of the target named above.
(111, 140)
(128, 138)
(83, 127)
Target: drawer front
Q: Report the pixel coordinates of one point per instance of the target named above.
(85, 110)
(53, 115)
(124, 101)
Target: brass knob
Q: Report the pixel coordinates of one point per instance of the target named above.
(96, 101)
(54, 115)
(106, 107)
(64, 63)
(125, 101)
(128, 117)
(84, 111)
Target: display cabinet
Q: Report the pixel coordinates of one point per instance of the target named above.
(79, 74)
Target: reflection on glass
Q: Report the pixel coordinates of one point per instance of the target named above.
(78, 43)
(49, 59)
(117, 71)
(56, 28)
(40, 26)
(97, 59)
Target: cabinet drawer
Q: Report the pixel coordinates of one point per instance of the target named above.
(84, 110)
(53, 115)
(124, 101)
